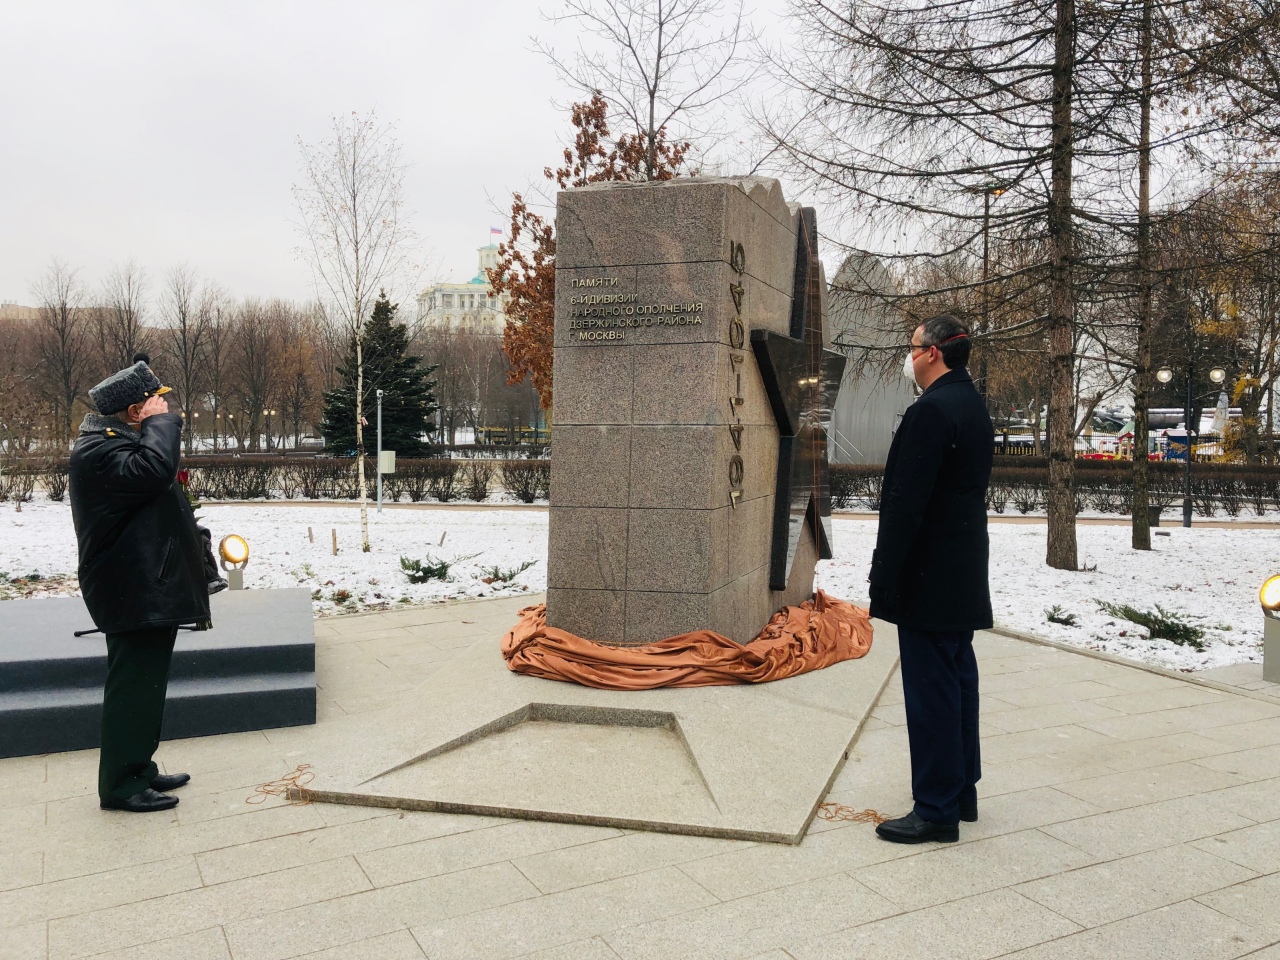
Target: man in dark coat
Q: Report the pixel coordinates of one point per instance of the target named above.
(929, 576)
(141, 573)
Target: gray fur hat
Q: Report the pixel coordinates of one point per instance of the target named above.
(129, 386)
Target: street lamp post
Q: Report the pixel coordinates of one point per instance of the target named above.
(989, 191)
(1165, 375)
(379, 464)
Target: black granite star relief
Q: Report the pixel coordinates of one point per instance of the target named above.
(802, 379)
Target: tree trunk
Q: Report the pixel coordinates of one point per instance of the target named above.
(1036, 448)
(1271, 425)
(1251, 424)
(1141, 518)
(1060, 503)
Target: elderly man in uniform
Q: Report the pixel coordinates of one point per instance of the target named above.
(929, 576)
(141, 572)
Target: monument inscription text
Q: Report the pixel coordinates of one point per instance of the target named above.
(604, 317)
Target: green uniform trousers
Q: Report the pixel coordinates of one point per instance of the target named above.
(133, 709)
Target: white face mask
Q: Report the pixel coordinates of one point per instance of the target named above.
(909, 369)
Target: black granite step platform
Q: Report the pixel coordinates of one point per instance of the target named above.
(255, 669)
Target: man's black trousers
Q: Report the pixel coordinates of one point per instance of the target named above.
(940, 687)
(133, 709)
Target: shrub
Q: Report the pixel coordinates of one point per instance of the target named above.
(497, 574)
(1056, 614)
(527, 480)
(442, 479)
(22, 484)
(477, 477)
(423, 571)
(1161, 624)
(998, 496)
(53, 475)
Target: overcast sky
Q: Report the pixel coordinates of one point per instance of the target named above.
(167, 132)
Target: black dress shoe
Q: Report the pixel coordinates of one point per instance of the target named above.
(148, 801)
(969, 812)
(913, 829)
(172, 781)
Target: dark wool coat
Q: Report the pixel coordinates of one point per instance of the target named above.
(141, 556)
(929, 569)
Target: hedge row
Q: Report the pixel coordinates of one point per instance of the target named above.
(1020, 484)
(1017, 483)
(291, 478)
(19, 477)
(317, 478)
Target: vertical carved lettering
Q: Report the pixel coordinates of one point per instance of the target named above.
(737, 340)
(737, 257)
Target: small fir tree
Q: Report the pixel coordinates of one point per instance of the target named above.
(408, 401)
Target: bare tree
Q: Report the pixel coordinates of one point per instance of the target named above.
(918, 118)
(218, 332)
(120, 331)
(660, 63)
(19, 397)
(64, 354)
(256, 351)
(298, 373)
(356, 238)
(185, 314)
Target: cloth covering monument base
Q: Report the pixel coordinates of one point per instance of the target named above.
(745, 761)
(816, 634)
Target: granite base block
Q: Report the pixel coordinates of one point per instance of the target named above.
(254, 670)
(748, 762)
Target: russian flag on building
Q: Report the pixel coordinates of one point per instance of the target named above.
(493, 230)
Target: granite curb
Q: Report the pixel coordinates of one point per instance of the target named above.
(1135, 664)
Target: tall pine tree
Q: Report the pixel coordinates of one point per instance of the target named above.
(408, 401)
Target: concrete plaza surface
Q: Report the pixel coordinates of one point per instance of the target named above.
(1124, 814)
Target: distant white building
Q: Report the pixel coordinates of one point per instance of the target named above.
(473, 303)
(14, 311)
(870, 403)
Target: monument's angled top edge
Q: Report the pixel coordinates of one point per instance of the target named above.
(745, 183)
(765, 192)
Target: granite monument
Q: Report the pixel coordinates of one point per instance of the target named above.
(694, 384)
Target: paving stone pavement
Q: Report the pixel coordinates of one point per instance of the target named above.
(1124, 814)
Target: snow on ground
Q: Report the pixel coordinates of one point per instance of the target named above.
(1209, 576)
(41, 540)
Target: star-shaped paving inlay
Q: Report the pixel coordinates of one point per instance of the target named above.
(802, 379)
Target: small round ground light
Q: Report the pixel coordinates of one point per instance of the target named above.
(234, 552)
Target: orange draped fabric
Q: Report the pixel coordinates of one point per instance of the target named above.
(814, 635)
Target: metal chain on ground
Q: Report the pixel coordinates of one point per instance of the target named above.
(291, 785)
(838, 811)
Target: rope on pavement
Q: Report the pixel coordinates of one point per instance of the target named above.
(291, 785)
(838, 811)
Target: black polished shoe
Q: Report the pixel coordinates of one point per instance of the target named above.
(218, 585)
(913, 829)
(170, 781)
(969, 812)
(148, 801)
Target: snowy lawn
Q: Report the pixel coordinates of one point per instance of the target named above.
(1208, 577)
(41, 541)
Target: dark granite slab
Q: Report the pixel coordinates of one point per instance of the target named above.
(254, 670)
